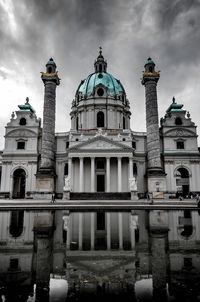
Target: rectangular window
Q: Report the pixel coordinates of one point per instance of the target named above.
(180, 145)
(20, 145)
(67, 145)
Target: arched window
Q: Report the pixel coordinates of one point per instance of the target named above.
(22, 121)
(66, 169)
(16, 223)
(77, 123)
(100, 92)
(124, 123)
(100, 119)
(100, 68)
(182, 182)
(19, 183)
(150, 69)
(178, 121)
(49, 69)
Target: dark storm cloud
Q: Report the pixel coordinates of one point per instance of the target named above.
(129, 31)
(168, 11)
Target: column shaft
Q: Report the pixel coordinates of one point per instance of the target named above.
(81, 179)
(92, 173)
(92, 231)
(107, 174)
(120, 231)
(80, 231)
(130, 167)
(119, 170)
(108, 229)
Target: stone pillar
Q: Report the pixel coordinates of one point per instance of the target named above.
(108, 229)
(81, 177)
(107, 174)
(119, 173)
(92, 231)
(120, 221)
(92, 173)
(155, 171)
(46, 175)
(133, 227)
(43, 231)
(158, 226)
(68, 181)
(130, 167)
(66, 227)
(80, 231)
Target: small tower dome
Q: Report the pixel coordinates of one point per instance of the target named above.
(149, 65)
(51, 66)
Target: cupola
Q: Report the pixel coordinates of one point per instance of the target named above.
(51, 66)
(100, 64)
(149, 65)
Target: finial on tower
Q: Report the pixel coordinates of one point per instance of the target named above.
(100, 50)
(100, 64)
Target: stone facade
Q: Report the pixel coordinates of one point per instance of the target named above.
(100, 154)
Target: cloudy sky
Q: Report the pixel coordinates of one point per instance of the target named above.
(71, 31)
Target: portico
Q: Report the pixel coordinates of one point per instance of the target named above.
(98, 172)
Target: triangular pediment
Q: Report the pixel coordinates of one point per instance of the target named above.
(179, 132)
(101, 143)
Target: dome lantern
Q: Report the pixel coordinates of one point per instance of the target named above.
(100, 64)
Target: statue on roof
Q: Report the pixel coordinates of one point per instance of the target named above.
(27, 101)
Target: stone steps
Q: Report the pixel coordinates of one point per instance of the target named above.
(100, 196)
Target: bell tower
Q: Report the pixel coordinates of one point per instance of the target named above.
(155, 173)
(46, 173)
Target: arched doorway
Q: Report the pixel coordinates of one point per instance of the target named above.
(182, 182)
(19, 183)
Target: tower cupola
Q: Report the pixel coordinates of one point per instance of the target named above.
(100, 64)
(149, 65)
(51, 66)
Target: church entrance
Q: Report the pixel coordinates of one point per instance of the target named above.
(19, 182)
(182, 182)
(100, 183)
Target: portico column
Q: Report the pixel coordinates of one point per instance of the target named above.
(130, 167)
(108, 229)
(81, 179)
(119, 169)
(92, 231)
(107, 174)
(80, 231)
(92, 173)
(120, 231)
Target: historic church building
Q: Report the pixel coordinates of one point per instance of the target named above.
(100, 157)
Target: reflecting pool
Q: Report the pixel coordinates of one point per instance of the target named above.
(60, 255)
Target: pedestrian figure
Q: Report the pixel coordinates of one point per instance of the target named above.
(53, 198)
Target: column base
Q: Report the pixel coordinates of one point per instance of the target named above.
(66, 195)
(134, 195)
(45, 185)
(156, 185)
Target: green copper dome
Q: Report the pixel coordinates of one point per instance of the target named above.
(113, 86)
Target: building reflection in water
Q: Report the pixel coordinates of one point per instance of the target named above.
(135, 255)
